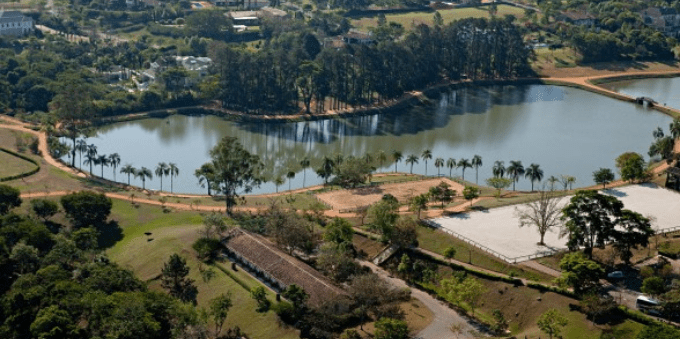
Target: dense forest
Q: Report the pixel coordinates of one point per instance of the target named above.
(293, 68)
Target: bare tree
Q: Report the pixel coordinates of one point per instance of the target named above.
(543, 213)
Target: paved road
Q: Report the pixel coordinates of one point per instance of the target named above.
(444, 317)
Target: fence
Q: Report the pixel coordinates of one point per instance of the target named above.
(524, 257)
(490, 251)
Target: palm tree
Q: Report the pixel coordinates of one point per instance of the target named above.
(81, 146)
(90, 159)
(397, 156)
(382, 157)
(128, 169)
(290, 175)
(162, 169)
(412, 159)
(305, 164)
(464, 163)
(477, 162)
(427, 154)
(114, 161)
(553, 180)
(144, 173)
(278, 181)
(534, 173)
(451, 163)
(515, 170)
(326, 169)
(675, 128)
(571, 180)
(205, 174)
(498, 169)
(173, 170)
(439, 162)
(91, 156)
(102, 160)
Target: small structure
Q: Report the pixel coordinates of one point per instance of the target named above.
(357, 37)
(277, 269)
(274, 13)
(664, 19)
(14, 23)
(645, 101)
(578, 18)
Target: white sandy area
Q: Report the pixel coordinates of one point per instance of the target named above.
(498, 228)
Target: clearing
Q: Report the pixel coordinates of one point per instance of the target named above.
(360, 197)
(498, 229)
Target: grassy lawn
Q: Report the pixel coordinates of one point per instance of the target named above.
(437, 241)
(12, 165)
(174, 233)
(416, 18)
(522, 306)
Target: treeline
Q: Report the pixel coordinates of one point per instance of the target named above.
(293, 70)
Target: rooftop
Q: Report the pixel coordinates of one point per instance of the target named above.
(281, 266)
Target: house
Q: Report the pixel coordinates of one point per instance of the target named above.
(14, 23)
(357, 37)
(664, 19)
(195, 65)
(277, 269)
(578, 18)
(274, 13)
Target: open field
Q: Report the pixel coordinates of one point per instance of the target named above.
(174, 233)
(498, 229)
(352, 198)
(522, 306)
(12, 165)
(416, 18)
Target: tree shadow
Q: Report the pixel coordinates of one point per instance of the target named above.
(109, 234)
(54, 227)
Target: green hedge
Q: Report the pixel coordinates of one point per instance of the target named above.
(481, 274)
(639, 317)
(234, 277)
(21, 175)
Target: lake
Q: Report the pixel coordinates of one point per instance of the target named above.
(566, 131)
(666, 91)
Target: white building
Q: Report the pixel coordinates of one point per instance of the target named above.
(15, 23)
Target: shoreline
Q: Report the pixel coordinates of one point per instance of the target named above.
(414, 98)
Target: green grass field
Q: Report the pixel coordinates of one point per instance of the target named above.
(174, 233)
(12, 165)
(522, 306)
(416, 18)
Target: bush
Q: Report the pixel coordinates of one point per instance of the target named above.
(9, 198)
(206, 248)
(86, 208)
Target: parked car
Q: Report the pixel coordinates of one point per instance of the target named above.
(615, 275)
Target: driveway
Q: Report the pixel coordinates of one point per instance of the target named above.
(444, 317)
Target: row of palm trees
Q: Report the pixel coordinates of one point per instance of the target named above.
(92, 158)
(450, 163)
(162, 170)
(516, 170)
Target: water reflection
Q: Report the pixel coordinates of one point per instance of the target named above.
(565, 130)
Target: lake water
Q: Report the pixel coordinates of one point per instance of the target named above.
(663, 90)
(564, 130)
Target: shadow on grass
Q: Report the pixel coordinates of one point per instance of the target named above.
(109, 234)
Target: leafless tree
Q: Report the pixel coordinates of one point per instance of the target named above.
(543, 213)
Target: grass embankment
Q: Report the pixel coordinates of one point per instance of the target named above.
(13, 166)
(438, 241)
(522, 306)
(174, 233)
(408, 20)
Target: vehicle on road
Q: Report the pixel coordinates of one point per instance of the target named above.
(647, 305)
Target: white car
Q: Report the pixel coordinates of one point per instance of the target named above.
(615, 275)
